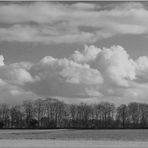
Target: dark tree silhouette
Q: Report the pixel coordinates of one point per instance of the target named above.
(52, 113)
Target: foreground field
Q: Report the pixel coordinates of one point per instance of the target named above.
(70, 144)
(65, 134)
(63, 138)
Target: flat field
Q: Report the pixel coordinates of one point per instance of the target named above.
(71, 134)
(70, 144)
(63, 138)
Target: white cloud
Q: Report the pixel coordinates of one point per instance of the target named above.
(15, 73)
(82, 74)
(114, 63)
(63, 77)
(142, 63)
(85, 6)
(117, 65)
(43, 34)
(94, 72)
(1, 60)
(50, 22)
(89, 54)
(107, 73)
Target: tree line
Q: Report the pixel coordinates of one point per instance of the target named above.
(51, 113)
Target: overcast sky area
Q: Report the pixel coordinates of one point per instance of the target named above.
(74, 51)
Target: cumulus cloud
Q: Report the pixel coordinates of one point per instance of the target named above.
(1, 60)
(114, 63)
(63, 77)
(89, 54)
(12, 77)
(49, 22)
(14, 74)
(102, 74)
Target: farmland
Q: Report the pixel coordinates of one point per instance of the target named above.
(64, 138)
(70, 144)
(72, 134)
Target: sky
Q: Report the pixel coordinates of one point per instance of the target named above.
(74, 51)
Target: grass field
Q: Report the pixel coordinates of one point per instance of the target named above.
(64, 138)
(69, 134)
(70, 144)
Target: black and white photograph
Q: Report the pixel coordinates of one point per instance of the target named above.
(73, 74)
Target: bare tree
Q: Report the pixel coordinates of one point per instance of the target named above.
(16, 116)
(72, 115)
(122, 115)
(52, 113)
(29, 113)
(4, 115)
(39, 110)
(143, 110)
(134, 114)
(107, 110)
